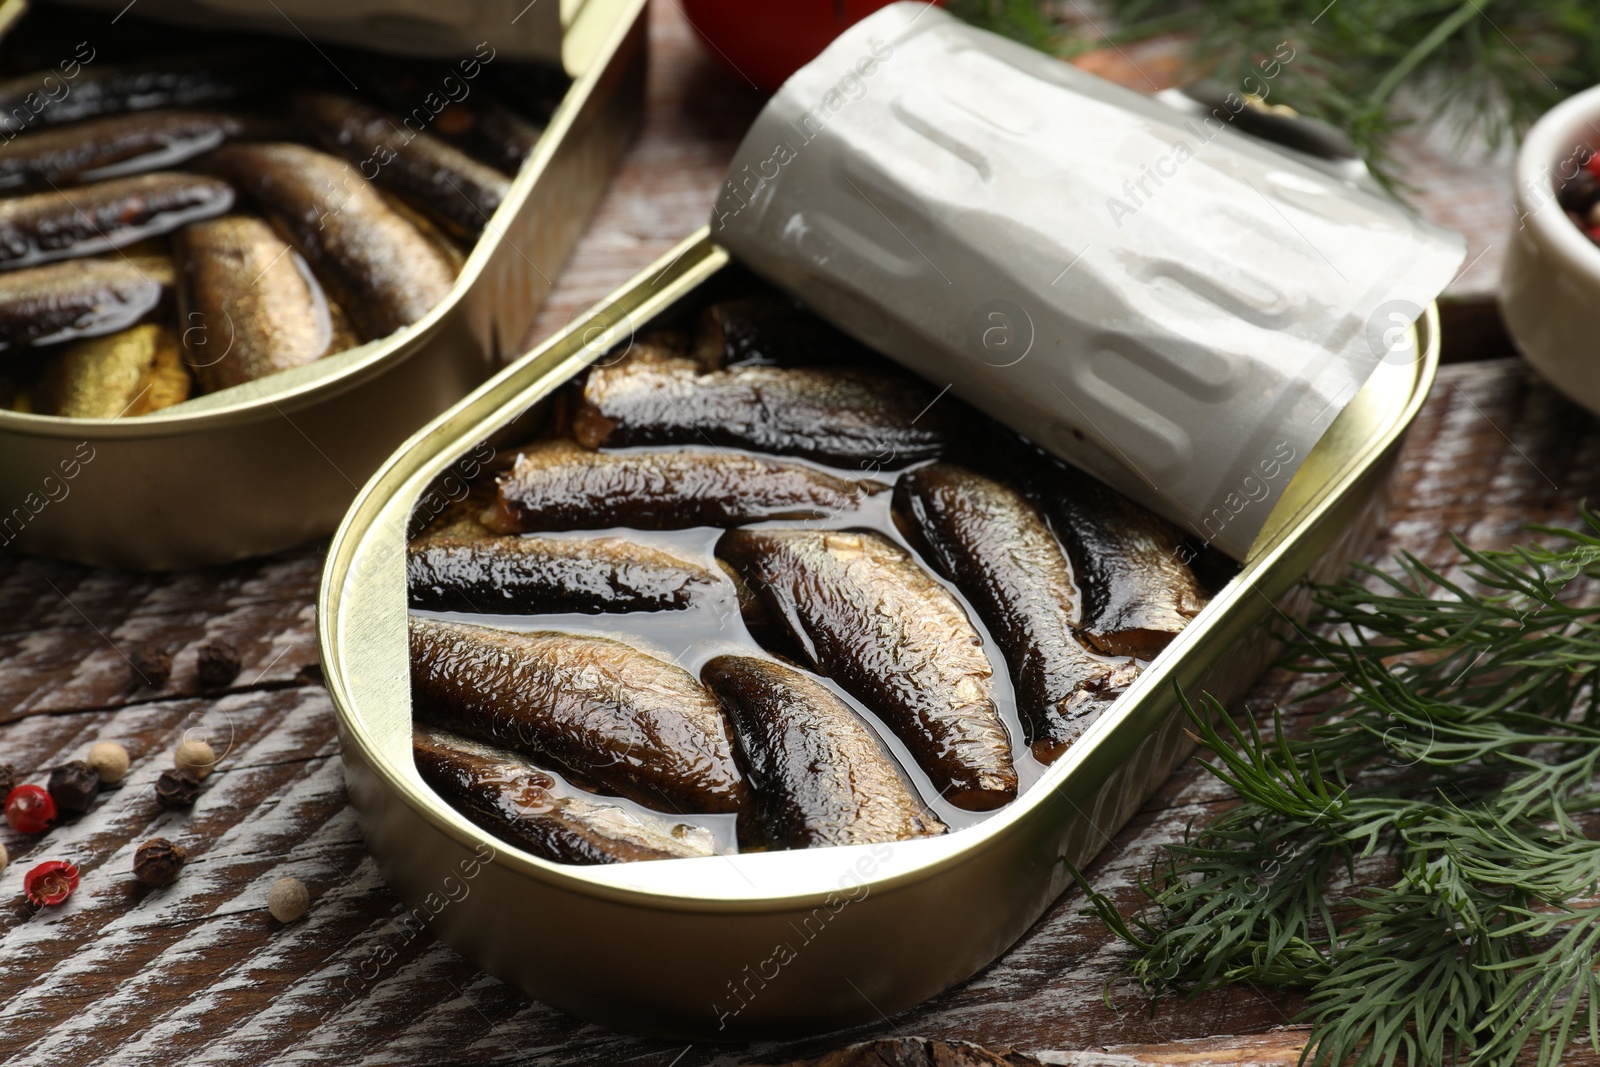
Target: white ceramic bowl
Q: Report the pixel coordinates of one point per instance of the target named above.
(1550, 287)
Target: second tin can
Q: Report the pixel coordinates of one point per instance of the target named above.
(275, 463)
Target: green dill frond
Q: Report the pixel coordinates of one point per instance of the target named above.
(1486, 68)
(1419, 862)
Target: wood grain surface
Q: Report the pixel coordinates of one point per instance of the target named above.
(695, 115)
(199, 973)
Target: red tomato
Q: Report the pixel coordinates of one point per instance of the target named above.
(766, 42)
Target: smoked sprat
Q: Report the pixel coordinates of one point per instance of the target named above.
(883, 619)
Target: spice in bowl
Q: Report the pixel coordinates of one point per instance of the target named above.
(1579, 195)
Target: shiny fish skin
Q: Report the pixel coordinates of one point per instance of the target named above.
(78, 221)
(502, 136)
(639, 727)
(46, 98)
(751, 610)
(858, 609)
(841, 416)
(382, 271)
(156, 138)
(440, 180)
(159, 268)
(519, 803)
(999, 552)
(483, 125)
(769, 330)
(63, 301)
(134, 372)
(442, 242)
(1138, 591)
(529, 575)
(249, 305)
(556, 485)
(820, 775)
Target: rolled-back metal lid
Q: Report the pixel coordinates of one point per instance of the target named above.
(1173, 306)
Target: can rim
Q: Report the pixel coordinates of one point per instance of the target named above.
(673, 884)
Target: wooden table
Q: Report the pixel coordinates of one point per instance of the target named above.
(199, 973)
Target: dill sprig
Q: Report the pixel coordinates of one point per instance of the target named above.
(1488, 68)
(1418, 862)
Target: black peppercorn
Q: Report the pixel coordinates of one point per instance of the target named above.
(177, 789)
(158, 861)
(73, 786)
(1579, 193)
(152, 665)
(216, 664)
(8, 778)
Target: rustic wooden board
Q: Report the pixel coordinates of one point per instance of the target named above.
(199, 973)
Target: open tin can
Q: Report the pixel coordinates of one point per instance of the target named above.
(799, 941)
(892, 209)
(273, 463)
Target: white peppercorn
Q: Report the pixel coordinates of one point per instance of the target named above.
(196, 756)
(109, 760)
(288, 899)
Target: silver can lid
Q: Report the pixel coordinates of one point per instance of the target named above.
(1174, 306)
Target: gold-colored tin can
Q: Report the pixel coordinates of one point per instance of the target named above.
(276, 462)
(777, 943)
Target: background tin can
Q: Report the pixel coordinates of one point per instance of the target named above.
(210, 483)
